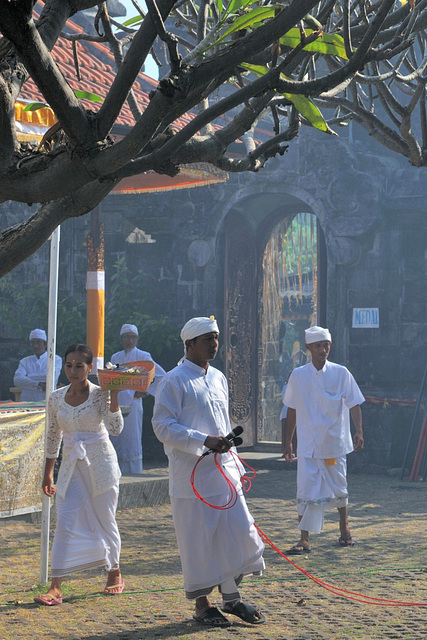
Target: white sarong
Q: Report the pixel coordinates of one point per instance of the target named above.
(319, 486)
(215, 545)
(86, 533)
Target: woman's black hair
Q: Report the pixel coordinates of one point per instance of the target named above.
(80, 348)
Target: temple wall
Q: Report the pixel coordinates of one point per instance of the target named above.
(372, 211)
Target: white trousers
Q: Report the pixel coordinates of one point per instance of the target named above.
(86, 533)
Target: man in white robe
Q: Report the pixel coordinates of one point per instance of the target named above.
(31, 373)
(320, 397)
(128, 444)
(217, 547)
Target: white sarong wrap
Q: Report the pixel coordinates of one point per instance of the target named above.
(86, 533)
(319, 487)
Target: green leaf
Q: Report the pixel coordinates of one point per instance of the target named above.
(249, 20)
(220, 6)
(85, 95)
(133, 21)
(304, 105)
(309, 110)
(327, 44)
(235, 5)
(35, 106)
(257, 69)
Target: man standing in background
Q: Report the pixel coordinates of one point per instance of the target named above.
(128, 444)
(30, 375)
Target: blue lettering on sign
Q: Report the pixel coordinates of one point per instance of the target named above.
(366, 318)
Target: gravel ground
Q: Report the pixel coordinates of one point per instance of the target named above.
(388, 521)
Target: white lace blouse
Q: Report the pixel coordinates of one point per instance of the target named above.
(85, 432)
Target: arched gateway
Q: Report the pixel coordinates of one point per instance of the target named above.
(274, 287)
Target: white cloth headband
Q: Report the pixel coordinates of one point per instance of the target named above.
(198, 327)
(317, 334)
(129, 328)
(38, 334)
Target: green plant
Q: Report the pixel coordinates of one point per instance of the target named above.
(130, 298)
(25, 309)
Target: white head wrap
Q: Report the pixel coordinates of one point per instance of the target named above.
(197, 327)
(38, 334)
(317, 334)
(129, 328)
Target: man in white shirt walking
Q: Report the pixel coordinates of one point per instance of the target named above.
(31, 373)
(320, 397)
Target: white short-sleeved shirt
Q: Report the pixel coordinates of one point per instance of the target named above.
(322, 400)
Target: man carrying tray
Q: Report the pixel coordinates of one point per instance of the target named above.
(128, 444)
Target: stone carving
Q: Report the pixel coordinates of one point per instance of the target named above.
(241, 298)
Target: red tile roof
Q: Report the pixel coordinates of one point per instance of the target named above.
(97, 71)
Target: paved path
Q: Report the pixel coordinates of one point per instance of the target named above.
(389, 522)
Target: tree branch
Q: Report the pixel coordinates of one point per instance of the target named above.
(22, 33)
(127, 73)
(21, 241)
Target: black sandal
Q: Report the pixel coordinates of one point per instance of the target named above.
(212, 618)
(246, 612)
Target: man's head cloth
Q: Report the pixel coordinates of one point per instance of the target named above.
(38, 334)
(317, 334)
(198, 327)
(129, 328)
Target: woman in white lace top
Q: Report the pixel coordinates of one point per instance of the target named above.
(86, 534)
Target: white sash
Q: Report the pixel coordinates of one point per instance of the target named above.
(75, 443)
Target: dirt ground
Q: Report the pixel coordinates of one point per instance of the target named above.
(388, 520)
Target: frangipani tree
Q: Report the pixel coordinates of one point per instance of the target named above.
(284, 62)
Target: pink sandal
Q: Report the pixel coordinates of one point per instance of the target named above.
(48, 600)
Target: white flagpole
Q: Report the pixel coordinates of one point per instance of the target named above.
(50, 383)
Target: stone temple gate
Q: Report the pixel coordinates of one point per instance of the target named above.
(208, 251)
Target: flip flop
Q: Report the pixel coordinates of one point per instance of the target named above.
(346, 542)
(47, 600)
(212, 618)
(119, 589)
(246, 612)
(297, 550)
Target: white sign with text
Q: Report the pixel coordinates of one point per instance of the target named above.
(366, 318)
